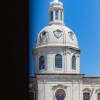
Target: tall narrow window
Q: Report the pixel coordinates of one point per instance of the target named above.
(41, 63)
(98, 96)
(32, 96)
(74, 63)
(60, 15)
(86, 96)
(56, 14)
(51, 15)
(58, 61)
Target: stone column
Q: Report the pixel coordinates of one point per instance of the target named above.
(68, 61)
(53, 15)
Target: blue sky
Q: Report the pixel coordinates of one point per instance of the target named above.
(83, 17)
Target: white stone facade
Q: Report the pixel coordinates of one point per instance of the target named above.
(49, 54)
(74, 86)
(57, 63)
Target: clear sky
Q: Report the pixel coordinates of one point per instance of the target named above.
(83, 17)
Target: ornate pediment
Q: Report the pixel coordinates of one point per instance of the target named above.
(59, 86)
(87, 90)
(97, 91)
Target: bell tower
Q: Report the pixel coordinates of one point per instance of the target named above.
(56, 13)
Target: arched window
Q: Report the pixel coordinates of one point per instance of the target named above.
(60, 15)
(51, 16)
(74, 62)
(56, 14)
(98, 96)
(60, 94)
(86, 96)
(41, 63)
(58, 61)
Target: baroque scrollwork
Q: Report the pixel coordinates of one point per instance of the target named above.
(57, 33)
(59, 86)
(86, 90)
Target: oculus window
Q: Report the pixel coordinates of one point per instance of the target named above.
(41, 63)
(74, 62)
(86, 96)
(60, 94)
(58, 61)
(43, 34)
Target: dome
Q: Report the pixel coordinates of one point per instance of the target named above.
(56, 35)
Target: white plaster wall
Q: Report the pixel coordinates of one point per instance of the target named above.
(49, 94)
(41, 92)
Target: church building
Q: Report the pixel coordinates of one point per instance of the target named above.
(57, 63)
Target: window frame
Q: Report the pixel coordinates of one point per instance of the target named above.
(41, 61)
(98, 96)
(56, 14)
(61, 15)
(86, 93)
(73, 62)
(51, 16)
(58, 61)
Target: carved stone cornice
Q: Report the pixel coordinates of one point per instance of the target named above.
(34, 52)
(54, 50)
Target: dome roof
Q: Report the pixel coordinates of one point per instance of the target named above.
(56, 35)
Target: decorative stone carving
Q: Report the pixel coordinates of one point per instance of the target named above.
(59, 86)
(86, 90)
(57, 33)
(68, 51)
(97, 91)
(55, 50)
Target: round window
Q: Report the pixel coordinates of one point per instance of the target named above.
(60, 94)
(43, 34)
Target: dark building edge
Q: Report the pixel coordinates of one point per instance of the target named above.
(14, 50)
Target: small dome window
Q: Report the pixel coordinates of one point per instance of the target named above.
(43, 34)
(71, 34)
